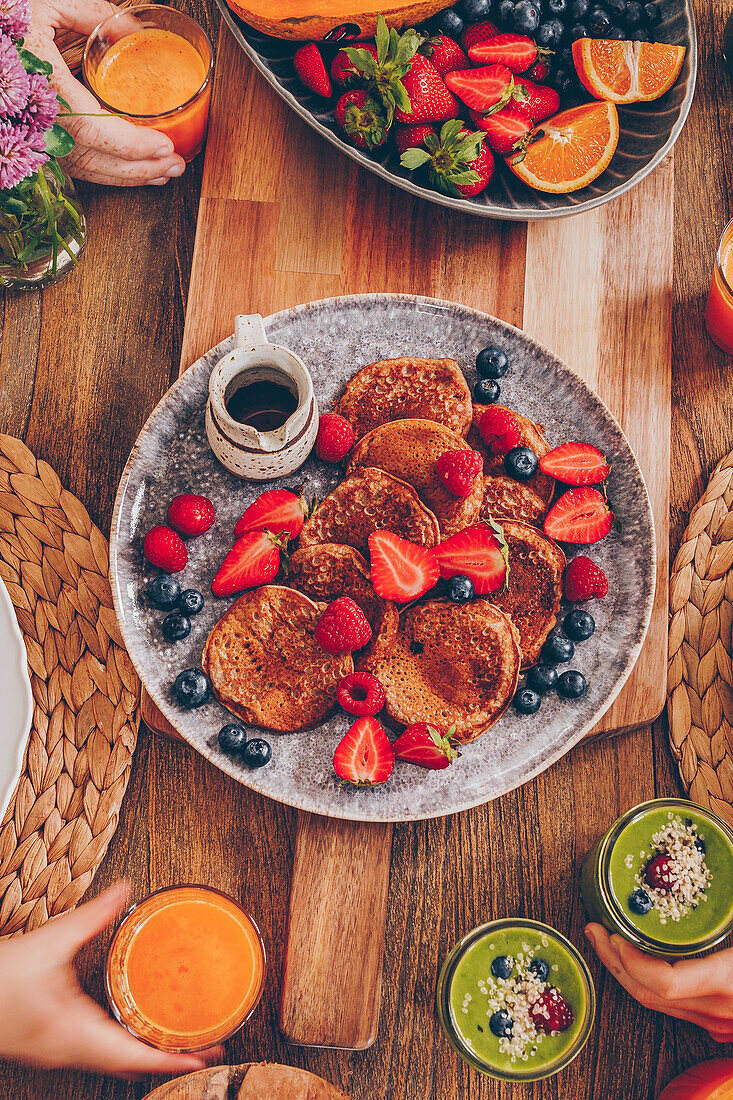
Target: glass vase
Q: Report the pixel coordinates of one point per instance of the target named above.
(45, 241)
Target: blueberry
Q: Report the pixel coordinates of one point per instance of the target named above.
(501, 1024)
(257, 753)
(487, 391)
(526, 17)
(191, 688)
(175, 626)
(506, 10)
(615, 7)
(640, 35)
(557, 648)
(527, 701)
(633, 14)
(501, 967)
(617, 33)
(557, 7)
(579, 8)
(562, 80)
(640, 902)
(579, 625)
(572, 684)
(191, 602)
(545, 35)
(578, 30)
(473, 10)
(448, 22)
(232, 738)
(540, 968)
(542, 678)
(492, 363)
(459, 589)
(520, 463)
(652, 14)
(700, 845)
(163, 592)
(598, 23)
(554, 30)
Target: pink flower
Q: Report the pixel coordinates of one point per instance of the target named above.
(42, 107)
(14, 81)
(21, 153)
(15, 17)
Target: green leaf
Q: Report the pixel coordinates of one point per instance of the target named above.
(414, 158)
(469, 148)
(383, 39)
(469, 176)
(63, 102)
(451, 130)
(33, 64)
(9, 204)
(58, 141)
(432, 142)
(361, 59)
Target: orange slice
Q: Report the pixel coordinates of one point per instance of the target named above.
(576, 147)
(627, 72)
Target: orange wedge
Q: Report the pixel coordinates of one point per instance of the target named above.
(627, 72)
(576, 147)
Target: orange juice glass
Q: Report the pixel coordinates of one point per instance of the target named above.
(185, 968)
(154, 66)
(719, 310)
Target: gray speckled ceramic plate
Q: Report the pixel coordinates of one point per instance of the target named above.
(647, 130)
(336, 338)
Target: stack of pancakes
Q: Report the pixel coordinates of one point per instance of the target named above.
(441, 662)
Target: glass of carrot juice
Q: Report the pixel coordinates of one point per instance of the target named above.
(185, 969)
(154, 65)
(719, 310)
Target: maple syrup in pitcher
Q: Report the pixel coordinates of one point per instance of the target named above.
(265, 404)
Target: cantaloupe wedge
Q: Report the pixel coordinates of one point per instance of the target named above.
(310, 20)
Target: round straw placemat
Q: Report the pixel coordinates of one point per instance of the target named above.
(700, 680)
(61, 817)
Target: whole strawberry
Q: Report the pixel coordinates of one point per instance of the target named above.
(458, 470)
(426, 745)
(478, 32)
(343, 69)
(584, 580)
(311, 70)
(362, 119)
(458, 162)
(191, 515)
(499, 429)
(253, 560)
(445, 53)
(386, 73)
(538, 102)
(343, 627)
(335, 437)
(411, 137)
(164, 548)
(429, 100)
(539, 71)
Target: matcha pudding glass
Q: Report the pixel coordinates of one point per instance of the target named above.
(516, 1000)
(662, 877)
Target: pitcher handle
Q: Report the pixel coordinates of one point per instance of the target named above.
(249, 331)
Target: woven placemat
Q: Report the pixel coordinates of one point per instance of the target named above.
(700, 675)
(55, 564)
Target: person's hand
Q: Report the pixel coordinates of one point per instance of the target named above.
(46, 1019)
(697, 990)
(108, 149)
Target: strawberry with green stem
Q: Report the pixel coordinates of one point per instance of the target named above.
(362, 119)
(385, 73)
(458, 162)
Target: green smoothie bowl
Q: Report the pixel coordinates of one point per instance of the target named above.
(516, 1000)
(662, 877)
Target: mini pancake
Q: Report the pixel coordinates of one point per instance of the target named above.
(409, 449)
(505, 498)
(369, 500)
(532, 599)
(530, 435)
(449, 664)
(265, 664)
(401, 389)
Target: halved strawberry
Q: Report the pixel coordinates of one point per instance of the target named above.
(508, 131)
(478, 553)
(487, 89)
(426, 745)
(580, 515)
(576, 464)
(253, 560)
(517, 51)
(364, 756)
(276, 509)
(401, 571)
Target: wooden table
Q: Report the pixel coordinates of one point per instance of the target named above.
(81, 367)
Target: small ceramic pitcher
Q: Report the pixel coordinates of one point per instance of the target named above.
(245, 451)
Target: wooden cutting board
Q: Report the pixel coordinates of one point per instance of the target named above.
(285, 218)
(251, 1081)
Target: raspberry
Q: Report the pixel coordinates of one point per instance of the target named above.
(551, 1012)
(360, 693)
(584, 580)
(499, 429)
(191, 515)
(335, 438)
(164, 548)
(458, 471)
(343, 627)
(658, 874)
